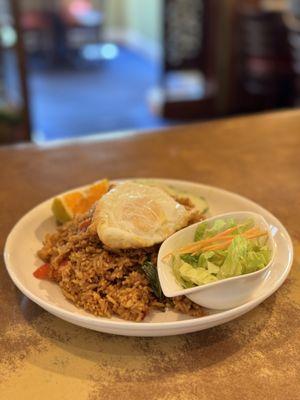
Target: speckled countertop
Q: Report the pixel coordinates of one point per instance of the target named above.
(254, 357)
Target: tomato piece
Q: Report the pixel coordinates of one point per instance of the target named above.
(43, 272)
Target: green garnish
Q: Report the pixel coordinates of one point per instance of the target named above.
(151, 273)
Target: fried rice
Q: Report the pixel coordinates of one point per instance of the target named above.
(102, 281)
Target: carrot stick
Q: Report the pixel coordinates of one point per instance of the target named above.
(201, 243)
(223, 246)
(251, 230)
(198, 245)
(254, 236)
(209, 243)
(229, 230)
(218, 246)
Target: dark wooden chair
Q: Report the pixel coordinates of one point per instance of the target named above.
(14, 116)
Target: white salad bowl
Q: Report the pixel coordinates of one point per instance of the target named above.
(223, 294)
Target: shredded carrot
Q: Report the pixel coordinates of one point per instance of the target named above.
(205, 246)
(218, 246)
(201, 243)
(258, 234)
(229, 230)
(223, 246)
(252, 230)
(213, 243)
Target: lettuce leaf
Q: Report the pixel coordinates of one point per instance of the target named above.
(200, 231)
(203, 259)
(176, 265)
(215, 257)
(220, 225)
(212, 268)
(256, 260)
(190, 259)
(236, 256)
(219, 257)
(197, 276)
(243, 256)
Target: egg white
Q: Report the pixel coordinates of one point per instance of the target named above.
(134, 215)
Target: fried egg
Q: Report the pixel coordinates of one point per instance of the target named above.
(134, 215)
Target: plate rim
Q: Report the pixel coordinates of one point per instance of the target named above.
(106, 323)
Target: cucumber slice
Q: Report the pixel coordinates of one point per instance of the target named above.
(199, 202)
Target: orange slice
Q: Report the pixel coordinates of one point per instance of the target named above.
(65, 207)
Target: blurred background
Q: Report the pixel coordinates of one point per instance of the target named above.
(72, 68)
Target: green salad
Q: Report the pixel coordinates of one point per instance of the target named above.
(221, 250)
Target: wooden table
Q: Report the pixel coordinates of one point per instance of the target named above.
(254, 357)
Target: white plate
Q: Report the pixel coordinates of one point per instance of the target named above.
(26, 238)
